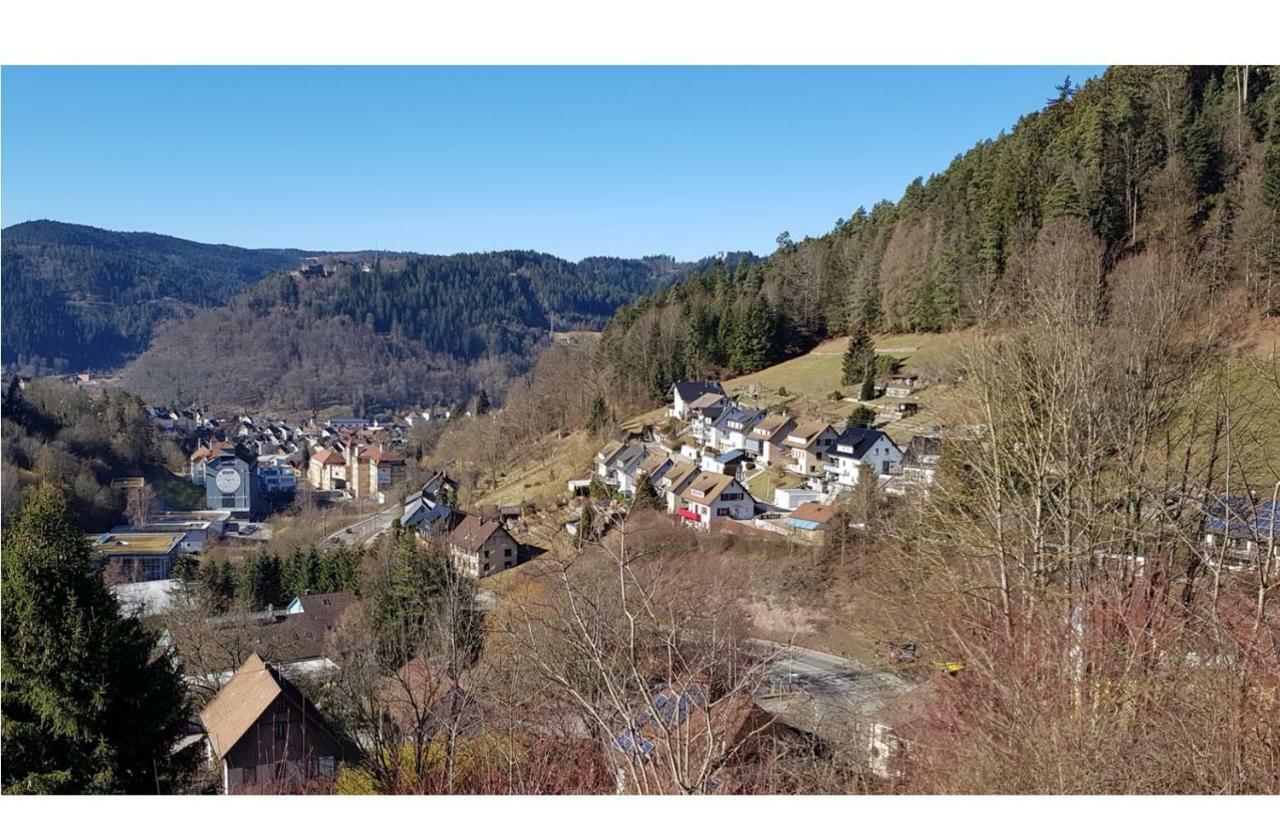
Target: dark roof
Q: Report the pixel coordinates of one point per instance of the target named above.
(859, 439)
(690, 390)
(304, 636)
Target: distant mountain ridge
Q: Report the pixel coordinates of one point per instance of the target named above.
(79, 297)
(380, 331)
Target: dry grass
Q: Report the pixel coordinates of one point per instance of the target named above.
(541, 477)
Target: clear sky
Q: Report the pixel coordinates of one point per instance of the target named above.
(572, 161)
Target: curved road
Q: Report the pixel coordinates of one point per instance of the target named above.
(363, 530)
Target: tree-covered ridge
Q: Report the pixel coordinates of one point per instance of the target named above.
(378, 332)
(1182, 159)
(78, 297)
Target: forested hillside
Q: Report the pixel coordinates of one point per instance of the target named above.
(1185, 161)
(391, 331)
(78, 297)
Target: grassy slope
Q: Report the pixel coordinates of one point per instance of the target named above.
(808, 380)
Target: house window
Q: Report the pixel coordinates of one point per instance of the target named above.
(722, 511)
(282, 730)
(506, 552)
(228, 500)
(486, 555)
(486, 567)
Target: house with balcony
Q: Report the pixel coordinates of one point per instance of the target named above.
(674, 481)
(857, 448)
(711, 499)
(766, 437)
(807, 447)
(920, 460)
(733, 430)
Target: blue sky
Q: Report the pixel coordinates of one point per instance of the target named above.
(573, 161)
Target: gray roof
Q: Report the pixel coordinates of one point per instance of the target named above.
(690, 390)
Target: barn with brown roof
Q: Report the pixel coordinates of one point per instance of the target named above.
(267, 736)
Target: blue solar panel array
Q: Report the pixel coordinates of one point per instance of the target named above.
(1240, 518)
(672, 709)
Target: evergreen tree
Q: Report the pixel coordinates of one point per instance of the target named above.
(868, 391)
(859, 356)
(598, 419)
(482, 402)
(862, 417)
(646, 497)
(261, 582)
(89, 705)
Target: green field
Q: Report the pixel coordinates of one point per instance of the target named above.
(812, 378)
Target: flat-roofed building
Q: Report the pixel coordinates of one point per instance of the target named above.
(136, 556)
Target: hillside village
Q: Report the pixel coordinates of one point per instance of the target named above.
(711, 448)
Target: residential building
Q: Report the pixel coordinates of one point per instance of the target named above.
(604, 460)
(712, 498)
(920, 460)
(481, 546)
(857, 448)
(807, 446)
(684, 392)
(1239, 530)
(372, 471)
(674, 481)
(624, 471)
(766, 438)
(733, 430)
(327, 470)
(266, 735)
(704, 412)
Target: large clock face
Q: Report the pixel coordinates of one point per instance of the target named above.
(227, 480)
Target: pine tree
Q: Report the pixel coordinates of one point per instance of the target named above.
(859, 357)
(868, 391)
(89, 705)
(646, 497)
(482, 403)
(598, 419)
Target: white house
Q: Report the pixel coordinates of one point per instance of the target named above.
(856, 447)
(711, 499)
(683, 393)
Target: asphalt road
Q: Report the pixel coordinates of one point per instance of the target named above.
(363, 530)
